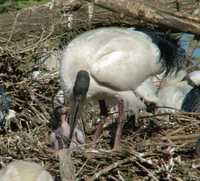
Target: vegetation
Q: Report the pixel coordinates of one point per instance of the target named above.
(7, 5)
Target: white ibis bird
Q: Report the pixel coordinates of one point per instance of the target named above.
(24, 171)
(180, 92)
(102, 63)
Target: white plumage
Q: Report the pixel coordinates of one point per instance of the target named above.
(117, 61)
(24, 171)
(173, 91)
(195, 77)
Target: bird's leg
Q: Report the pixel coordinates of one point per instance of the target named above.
(120, 124)
(103, 116)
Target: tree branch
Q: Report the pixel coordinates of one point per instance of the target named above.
(139, 10)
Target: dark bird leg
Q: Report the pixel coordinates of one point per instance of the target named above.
(120, 124)
(103, 116)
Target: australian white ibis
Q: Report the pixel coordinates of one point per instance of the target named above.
(24, 171)
(103, 63)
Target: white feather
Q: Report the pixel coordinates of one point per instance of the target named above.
(171, 92)
(148, 91)
(172, 96)
(24, 171)
(195, 77)
(116, 59)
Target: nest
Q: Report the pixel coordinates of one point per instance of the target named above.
(160, 147)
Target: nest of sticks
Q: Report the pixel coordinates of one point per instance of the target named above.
(160, 147)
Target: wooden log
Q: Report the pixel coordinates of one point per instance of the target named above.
(138, 9)
(66, 165)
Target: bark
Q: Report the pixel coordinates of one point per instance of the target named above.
(35, 24)
(153, 15)
(25, 29)
(67, 169)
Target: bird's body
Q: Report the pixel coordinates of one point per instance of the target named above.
(172, 96)
(115, 61)
(176, 93)
(172, 92)
(24, 171)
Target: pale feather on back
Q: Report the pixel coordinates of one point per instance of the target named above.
(110, 63)
(176, 94)
(115, 61)
(111, 59)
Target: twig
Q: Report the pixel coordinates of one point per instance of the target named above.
(13, 28)
(181, 137)
(111, 167)
(147, 170)
(82, 167)
(155, 115)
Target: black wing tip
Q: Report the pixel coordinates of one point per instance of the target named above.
(191, 102)
(173, 57)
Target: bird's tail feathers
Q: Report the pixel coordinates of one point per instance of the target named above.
(173, 57)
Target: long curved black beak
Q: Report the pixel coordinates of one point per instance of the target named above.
(80, 90)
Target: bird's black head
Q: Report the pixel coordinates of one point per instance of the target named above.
(81, 84)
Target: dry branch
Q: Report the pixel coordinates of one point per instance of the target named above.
(67, 169)
(140, 10)
(35, 24)
(110, 167)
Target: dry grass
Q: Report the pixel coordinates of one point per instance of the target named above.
(162, 148)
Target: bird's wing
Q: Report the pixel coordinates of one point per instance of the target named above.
(118, 70)
(132, 103)
(148, 91)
